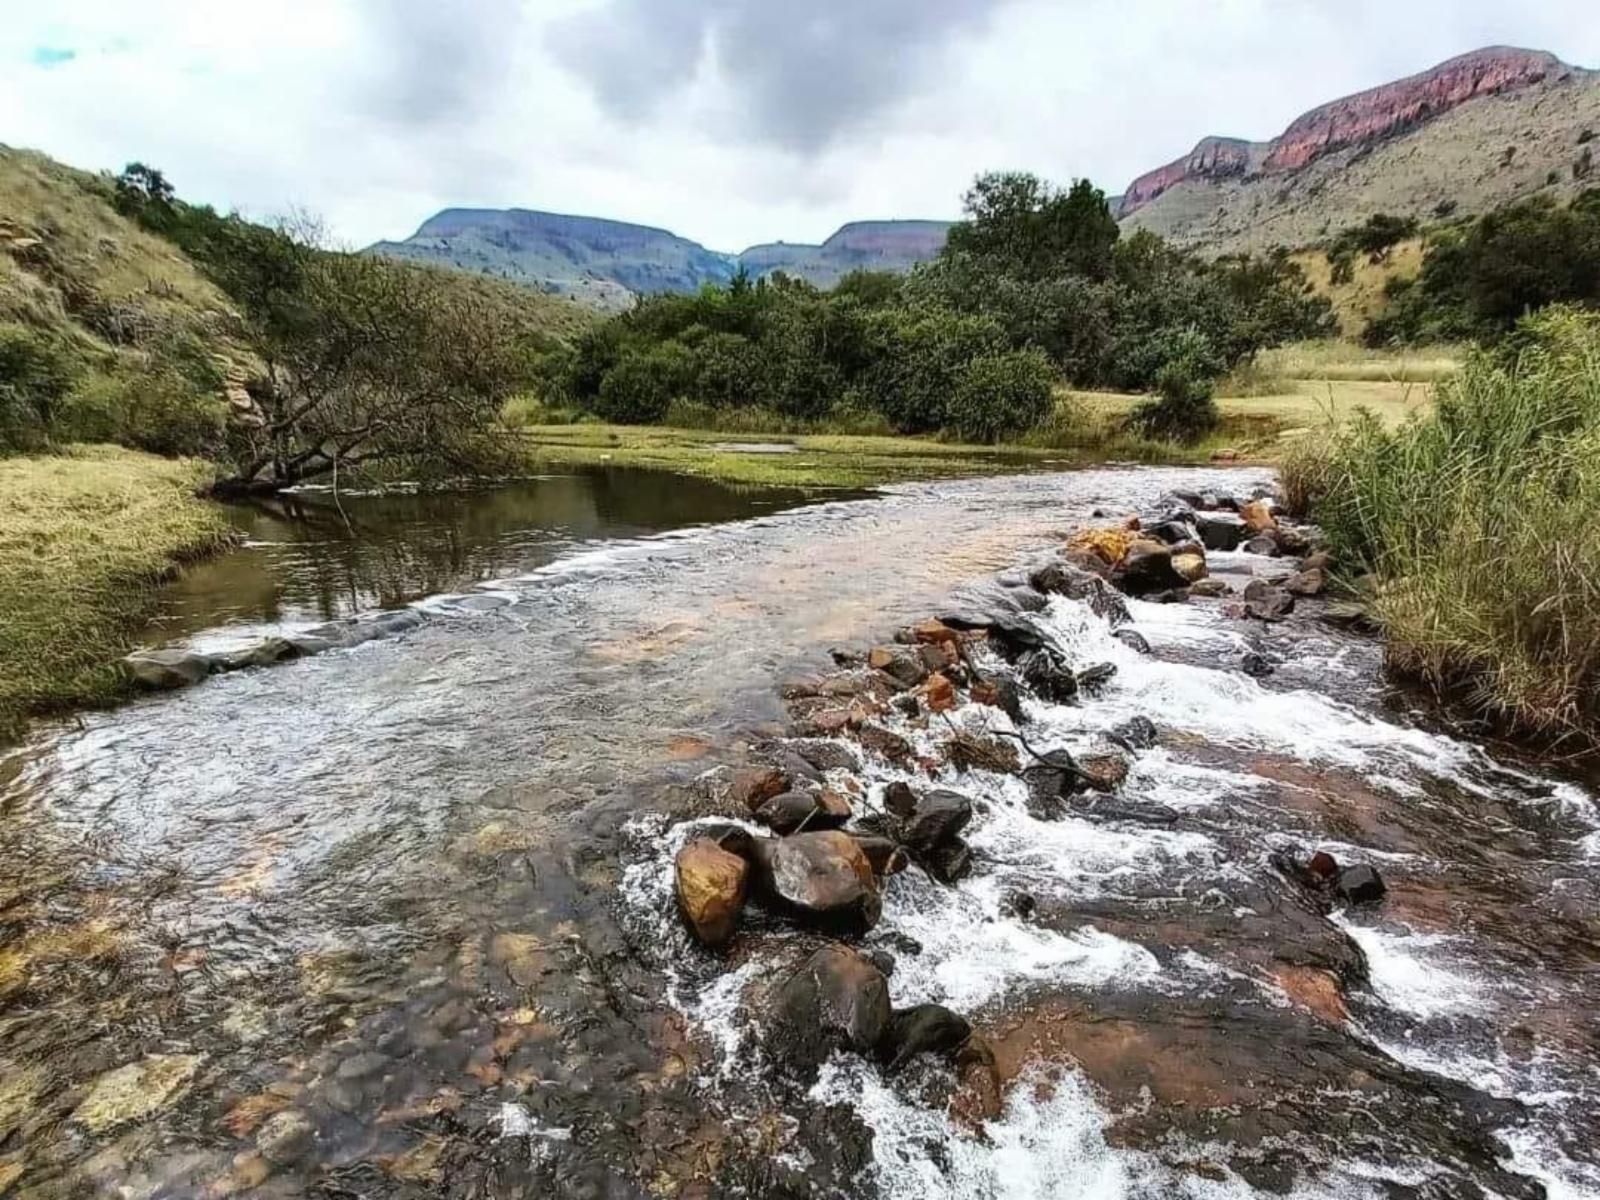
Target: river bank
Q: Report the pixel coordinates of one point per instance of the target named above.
(399, 919)
(86, 539)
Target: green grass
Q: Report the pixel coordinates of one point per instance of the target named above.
(1480, 524)
(1345, 361)
(86, 537)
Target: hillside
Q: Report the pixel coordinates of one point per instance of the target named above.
(605, 263)
(1464, 137)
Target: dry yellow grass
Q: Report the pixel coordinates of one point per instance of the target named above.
(1358, 300)
(85, 538)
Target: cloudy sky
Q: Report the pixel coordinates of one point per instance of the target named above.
(728, 121)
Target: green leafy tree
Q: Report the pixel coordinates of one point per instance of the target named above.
(1023, 226)
(1184, 408)
(1000, 395)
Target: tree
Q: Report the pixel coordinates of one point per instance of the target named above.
(1020, 225)
(997, 396)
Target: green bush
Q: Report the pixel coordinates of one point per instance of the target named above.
(1184, 408)
(998, 396)
(36, 373)
(643, 382)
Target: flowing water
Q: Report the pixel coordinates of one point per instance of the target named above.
(396, 920)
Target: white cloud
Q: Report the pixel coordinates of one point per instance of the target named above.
(709, 117)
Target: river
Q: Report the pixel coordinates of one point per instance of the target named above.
(396, 920)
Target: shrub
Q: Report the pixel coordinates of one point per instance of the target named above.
(1184, 408)
(997, 396)
(643, 382)
(36, 373)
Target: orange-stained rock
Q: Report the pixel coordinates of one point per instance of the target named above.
(1258, 517)
(933, 631)
(711, 885)
(1191, 566)
(939, 694)
(1108, 545)
(754, 786)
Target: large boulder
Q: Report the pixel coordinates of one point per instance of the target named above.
(823, 878)
(1221, 531)
(1360, 885)
(166, 669)
(837, 1000)
(1257, 516)
(1191, 567)
(939, 816)
(1147, 567)
(711, 886)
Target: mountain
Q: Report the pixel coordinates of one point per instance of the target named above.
(607, 262)
(1470, 134)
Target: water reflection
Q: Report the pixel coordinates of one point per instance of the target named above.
(310, 557)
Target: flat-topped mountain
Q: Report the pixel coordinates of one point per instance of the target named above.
(1467, 135)
(605, 262)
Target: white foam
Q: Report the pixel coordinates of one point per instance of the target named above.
(1409, 972)
(1563, 1179)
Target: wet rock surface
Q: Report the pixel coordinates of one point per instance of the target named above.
(434, 974)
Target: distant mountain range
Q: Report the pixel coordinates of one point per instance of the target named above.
(1466, 136)
(607, 262)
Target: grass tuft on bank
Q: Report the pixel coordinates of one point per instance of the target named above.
(1480, 526)
(85, 537)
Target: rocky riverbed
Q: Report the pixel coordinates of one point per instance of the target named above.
(971, 840)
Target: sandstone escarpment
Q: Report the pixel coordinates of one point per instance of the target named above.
(1362, 119)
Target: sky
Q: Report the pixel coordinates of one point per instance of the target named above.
(728, 121)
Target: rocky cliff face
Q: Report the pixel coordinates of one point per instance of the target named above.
(1213, 158)
(1362, 119)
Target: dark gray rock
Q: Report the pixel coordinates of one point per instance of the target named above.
(1360, 885)
(1049, 677)
(1133, 639)
(1265, 602)
(1136, 733)
(824, 879)
(923, 1029)
(789, 811)
(166, 669)
(1221, 531)
(1146, 568)
(1256, 665)
(939, 816)
(837, 1000)
(1263, 544)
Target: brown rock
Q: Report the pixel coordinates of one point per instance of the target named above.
(1258, 517)
(711, 886)
(1308, 583)
(884, 741)
(1105, 772)
(825, 878)
(1192, 567)
(933, 632)
(886, 856)
(754, 786)
(836, 1000)
(939, 694)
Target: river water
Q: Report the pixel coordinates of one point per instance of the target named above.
(396, 920)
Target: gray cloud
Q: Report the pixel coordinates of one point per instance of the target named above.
(801, 73)
(438, 61)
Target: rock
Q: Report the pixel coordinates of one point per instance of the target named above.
(365, 1065)
(939, 694)
(900, 664)
(797, 767)
(166, 669)
(939, 816)
(1172, 532)
(1308, 583)
(1063, 579)
(923, 1029)
(1049, 677)
(1320, 561)
(1133, 639)
(1221, 531)
(1102, 772)
(1051, 779)
(1291, 540)
(751, 787)
(907, 705)
(1147, 567)
(899, 799)
(1257, 516)
(1108, 606)
(1011, 636)
(837, 1000)
(950, 861)
(827, 756)
(1191, 567)
(711, 886)
(1021, 905)
(1110, 546)
(286, 1137)
(1096, 676)
(1265, 602)
(1264, 544)
(1324, 866)
(886, 856)
(933, 632)
(1360, 885)
(1136, 733)
(263, 654)
(883, 960)
(1350, 614)
(135, 1090)
(1000, 691)
(1188, 499)
(790, 811)
(1210, 588)
(973, 752)
(1107, 809)
(884, 742)
(941, 657)
(824, 878)
(1256, 665)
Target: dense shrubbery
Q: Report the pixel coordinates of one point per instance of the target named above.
(1481, 524)
(1480, 277)
(1034, 287)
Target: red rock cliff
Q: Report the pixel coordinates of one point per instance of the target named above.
(1365, 117)
(1213, 158)
(1393, 107)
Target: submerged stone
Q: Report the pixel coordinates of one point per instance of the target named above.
(136, 1090)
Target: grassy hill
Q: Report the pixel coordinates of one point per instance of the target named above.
(1488, 151)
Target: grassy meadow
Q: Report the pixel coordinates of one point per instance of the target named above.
(83, 536)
